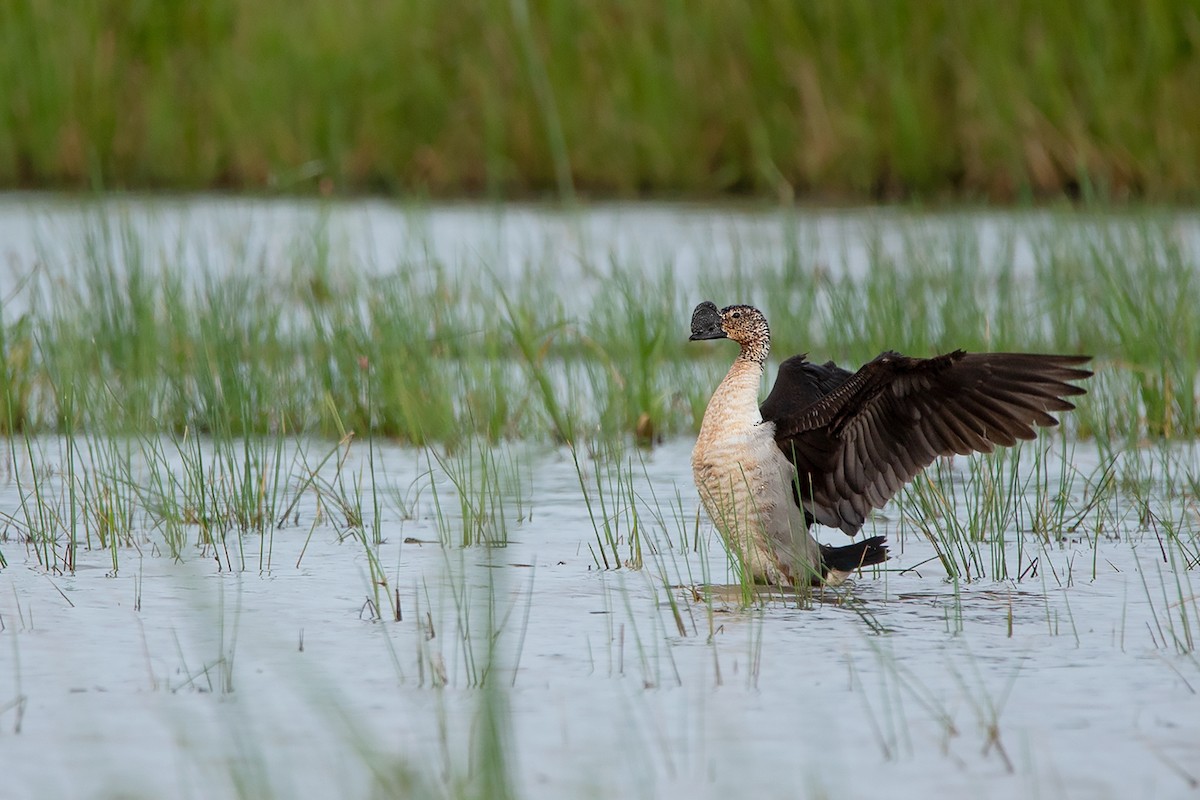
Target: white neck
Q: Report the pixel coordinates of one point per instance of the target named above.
(735, 402)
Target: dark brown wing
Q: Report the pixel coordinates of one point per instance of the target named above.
(856, 444)
(800, 383)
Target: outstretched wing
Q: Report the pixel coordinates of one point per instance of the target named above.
(856, 439)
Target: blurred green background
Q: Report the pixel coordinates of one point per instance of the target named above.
(849, 100)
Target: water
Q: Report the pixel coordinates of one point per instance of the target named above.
(171, 678)
(696, 244)
(273, 663)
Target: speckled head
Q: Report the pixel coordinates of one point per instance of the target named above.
(744, 324)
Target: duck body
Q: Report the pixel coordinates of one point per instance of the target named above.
(745, 482)
(829, 445)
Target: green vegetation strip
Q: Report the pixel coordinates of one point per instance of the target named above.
(856, 98)
(116, 339)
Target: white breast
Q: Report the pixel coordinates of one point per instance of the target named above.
(744, 482)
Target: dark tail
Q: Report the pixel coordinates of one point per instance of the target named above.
(852, 556)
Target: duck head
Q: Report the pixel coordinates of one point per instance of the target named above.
(744, 324)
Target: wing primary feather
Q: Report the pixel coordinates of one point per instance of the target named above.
(856, 439)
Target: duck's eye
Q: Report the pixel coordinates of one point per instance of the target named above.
(737, 315)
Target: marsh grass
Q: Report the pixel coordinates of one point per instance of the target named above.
(500, 98)
(490, 488)
(999, 517)
(620, 514)
(16, 349)
(468, 619)
(190, 412)
(123, 339)
(174, 495)
(638, 315)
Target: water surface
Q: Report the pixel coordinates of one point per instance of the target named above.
(367, 636)
(265, 660)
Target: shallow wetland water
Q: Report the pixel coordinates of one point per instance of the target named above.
(271, 615)
(200, 676)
